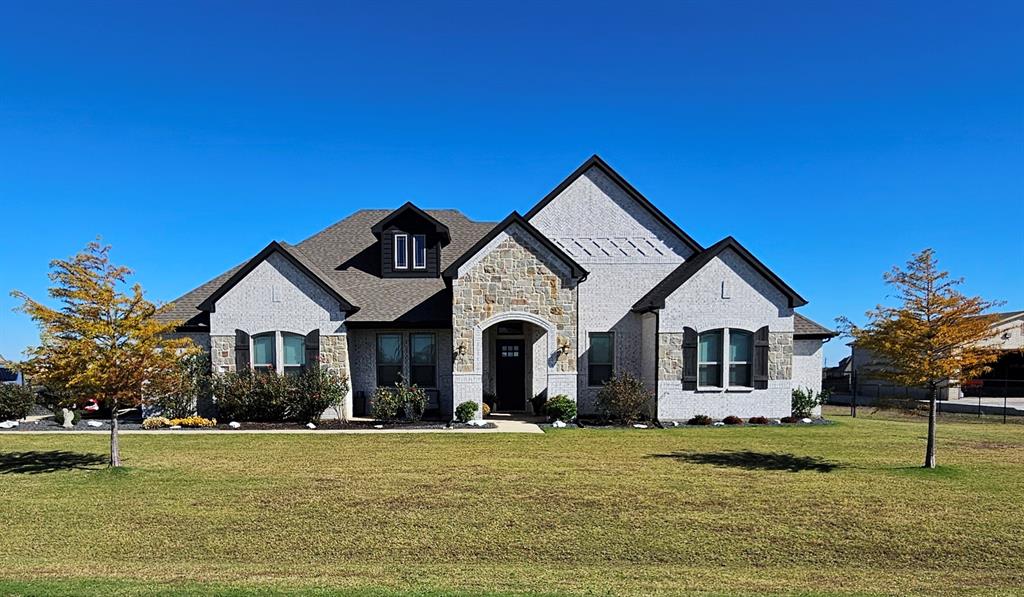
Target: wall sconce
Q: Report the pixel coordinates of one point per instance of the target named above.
(564, 348)
(460, 350)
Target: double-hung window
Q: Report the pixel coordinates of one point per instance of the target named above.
(419, 251)
(401, 251)
(389, 359)
(741, 357)
(709, 359)
(263, 353)
(601, 358)
(294, 353)
(423, 360)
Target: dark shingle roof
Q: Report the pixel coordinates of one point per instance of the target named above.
(805, 328)
(347, 255)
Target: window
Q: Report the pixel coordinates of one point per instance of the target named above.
(741, 355)
(389, 359)
(294, 354)
(709, 359)
(600, 363)
(423, 366)
(401, 251)
(419, 251)
(263, 352)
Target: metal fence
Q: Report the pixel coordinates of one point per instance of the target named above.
(999, 397)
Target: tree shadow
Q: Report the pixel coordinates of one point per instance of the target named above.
(33, 463)
(747, 459)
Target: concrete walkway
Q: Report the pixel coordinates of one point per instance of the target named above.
(501, 426)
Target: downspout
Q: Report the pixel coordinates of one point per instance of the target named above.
(657, 361)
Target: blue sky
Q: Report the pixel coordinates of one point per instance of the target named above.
(833, 139)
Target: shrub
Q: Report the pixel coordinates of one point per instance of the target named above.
(156, 423)
(757, 421)
(732, 420)
(805, 401)
(180, 394)
(192, 421)
(384, 404)
(561, 408)
(317, 389)
(270, 398)
(412, 401)
(624, 398)
(232, 391)
(465, 411)
(790, 420)
(16, 401)
(487, 410)
(700, 420)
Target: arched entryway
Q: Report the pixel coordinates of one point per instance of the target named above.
(514, 365)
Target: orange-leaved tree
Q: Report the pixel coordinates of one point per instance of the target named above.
(932, 338)
(103, 341)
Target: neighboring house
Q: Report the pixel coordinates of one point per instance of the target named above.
(1007, 373)
(593, 281)
(7, 374)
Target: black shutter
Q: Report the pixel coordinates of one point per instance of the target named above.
(313, 349)
(241, 351)
(689, 359)
(761, 359)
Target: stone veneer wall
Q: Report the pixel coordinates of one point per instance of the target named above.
(670, 356)
(780, 355)
(513, 277)
(222, 353)
(334, 353)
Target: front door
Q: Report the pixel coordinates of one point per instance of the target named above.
(510, 381)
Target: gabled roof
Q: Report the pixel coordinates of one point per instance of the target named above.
(595, 161)
(452, 271)
(810, 330)
(346, 253)
(439, 228)
(655, 299)
(296, 258)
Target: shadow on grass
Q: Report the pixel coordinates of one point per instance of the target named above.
(747, 459)
(33, 463)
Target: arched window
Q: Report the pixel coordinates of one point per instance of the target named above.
(294, 353)
(709, 359)
(263, 352)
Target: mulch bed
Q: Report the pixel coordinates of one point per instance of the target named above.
(133, 425)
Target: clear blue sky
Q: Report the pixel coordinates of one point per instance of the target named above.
(831, 138)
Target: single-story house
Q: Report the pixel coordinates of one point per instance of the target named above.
(593, 281)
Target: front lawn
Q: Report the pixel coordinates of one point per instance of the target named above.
(829, 509)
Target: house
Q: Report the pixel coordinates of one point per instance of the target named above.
(9, 374)
(1006, 376)
(593, 281)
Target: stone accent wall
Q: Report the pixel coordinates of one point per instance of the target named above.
(780, 355)
(514, 276)
(222, 353)
(670, 356)
(334, 353)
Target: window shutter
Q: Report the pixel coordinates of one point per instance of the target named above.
(689, 359)
(241, 351)
(313, 349)
(761, 359)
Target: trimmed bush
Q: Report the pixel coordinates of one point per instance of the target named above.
(400, 402)
(16, 401)
(560, 408)
(156, 423)
(232, 391)
(757, 421)
(700, 420)
(316, 390)
(624, 398)
(384, 405)
(732, 420)
(487, 410)
(465, 411)
(790, 420)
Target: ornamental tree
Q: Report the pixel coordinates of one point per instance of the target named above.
(931, 338)
(103, 342)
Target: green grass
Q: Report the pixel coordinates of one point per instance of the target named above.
(838, 509)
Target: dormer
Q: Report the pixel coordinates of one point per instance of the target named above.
(410, 242)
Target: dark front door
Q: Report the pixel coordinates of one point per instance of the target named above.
(511, 375)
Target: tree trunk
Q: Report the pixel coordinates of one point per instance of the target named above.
(929, 456)
(115, 446)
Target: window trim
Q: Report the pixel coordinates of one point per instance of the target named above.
(376, 355)
(422, 238)
(404, 253)
(433, 365)
(611, 363)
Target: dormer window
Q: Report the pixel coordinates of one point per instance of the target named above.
(419, 251)
(401, 251)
